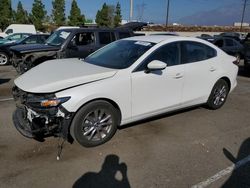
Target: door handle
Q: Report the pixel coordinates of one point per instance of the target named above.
(212, 69)
(178, 75)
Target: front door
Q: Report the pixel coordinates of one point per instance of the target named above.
(81, 45)
(158, 91)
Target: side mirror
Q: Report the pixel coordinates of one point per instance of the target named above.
(156, 65)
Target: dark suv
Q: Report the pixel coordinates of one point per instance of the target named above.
(31, 39)
(65, 43)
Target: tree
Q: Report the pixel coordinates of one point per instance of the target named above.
(21, 15)
(75, 17)
(38, 15)
(118, 16)
(103, 16)
(6, 13)
(58, 12)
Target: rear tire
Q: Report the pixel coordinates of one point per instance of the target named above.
(95, 123)
(218, 95)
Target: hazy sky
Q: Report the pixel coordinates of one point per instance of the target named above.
(205, 12)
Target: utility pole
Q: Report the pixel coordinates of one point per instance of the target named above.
(167, 13)
(131, 11)
(243, 15)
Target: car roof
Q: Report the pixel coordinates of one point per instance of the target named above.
(20, 34)
(152, 38)
(164, 38)
(40, 34)
(93, 29)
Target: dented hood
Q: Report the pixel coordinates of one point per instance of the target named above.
(55, 75)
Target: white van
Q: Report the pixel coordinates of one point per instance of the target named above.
(18, 28)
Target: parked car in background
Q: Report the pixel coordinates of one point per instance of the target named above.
(164, 33)
(65, 43)
(247, 52)
(5, 52)
(231, 47)
(126, 81)
(206, 37)
(14, 37)
(236, 36)
(134, 26)
(18, 28)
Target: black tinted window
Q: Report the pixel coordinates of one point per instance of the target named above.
(106, 37)
(31, 40)
(42, 39)
(112, 36)
(168, 54)
(85, 38)
(229, 42)
(219, 43)
(123, 35)
(194, 52)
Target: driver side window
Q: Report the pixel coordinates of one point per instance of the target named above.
(9, 31)
(169, 54)
(82, 39)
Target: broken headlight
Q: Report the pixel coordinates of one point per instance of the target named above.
(48, 103)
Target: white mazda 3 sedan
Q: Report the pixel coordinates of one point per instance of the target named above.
(125, 81)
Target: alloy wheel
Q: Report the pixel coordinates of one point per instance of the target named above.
(220, 94)
(97, 125)
(3, 59)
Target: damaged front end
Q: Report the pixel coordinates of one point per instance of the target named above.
(41, 115)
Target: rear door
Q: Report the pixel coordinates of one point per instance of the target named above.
(81, 45)
(200, 70)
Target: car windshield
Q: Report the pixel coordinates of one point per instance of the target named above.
(58, 38)
(120, 54)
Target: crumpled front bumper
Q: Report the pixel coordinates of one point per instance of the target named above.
(21, 124)
(40, 123)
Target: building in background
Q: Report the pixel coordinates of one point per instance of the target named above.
(238, 24)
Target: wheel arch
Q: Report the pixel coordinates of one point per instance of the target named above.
(227, 80)
(112, 102)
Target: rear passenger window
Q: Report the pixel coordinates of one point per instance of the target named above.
(106, 37)
(123, 35)
(195, 51)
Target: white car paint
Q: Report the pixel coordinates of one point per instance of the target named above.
(137, 94)
(56, 75)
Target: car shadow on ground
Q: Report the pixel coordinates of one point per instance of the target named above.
(112, 174)
(240, 177)
(2, 81)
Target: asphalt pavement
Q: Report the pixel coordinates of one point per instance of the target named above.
(184, 149)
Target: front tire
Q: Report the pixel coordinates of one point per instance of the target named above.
(4, 59)
(95, 123)
(218, 95)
